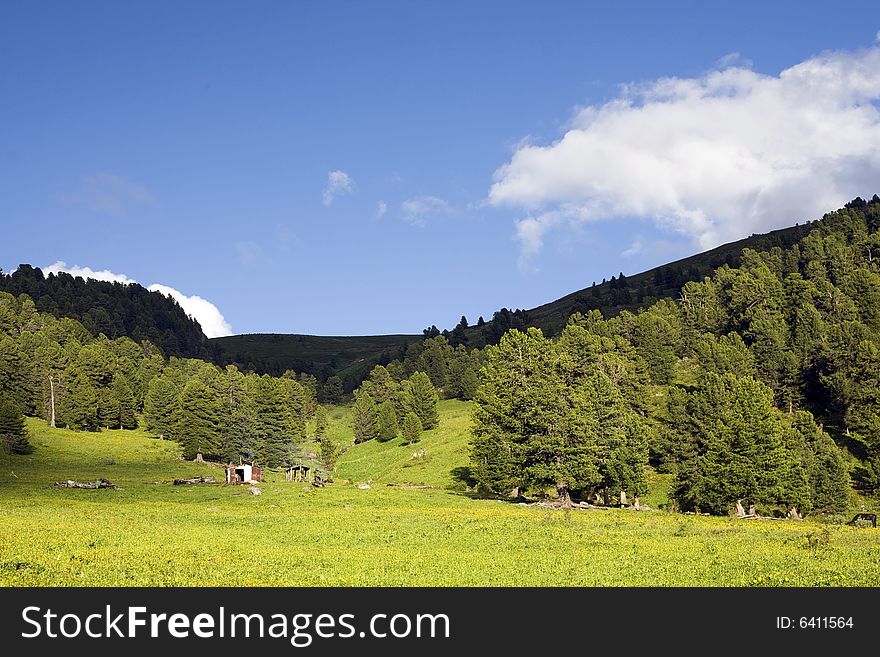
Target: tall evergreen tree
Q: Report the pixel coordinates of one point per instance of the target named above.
(387, 417)
(198, 418)
(412, 428)
(79, 407)
(13, 434)
(365, 417)
(423, 400)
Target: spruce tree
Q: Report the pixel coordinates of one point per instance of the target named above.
(365, 417)
(412, 428)
(423, 400)
(121, 390)
(320, 421)
(275, 444)
(734, 447)
(160, 404)
(79, 406)
(332, 390)
(13, 433)
(387, 422)
(197, 427)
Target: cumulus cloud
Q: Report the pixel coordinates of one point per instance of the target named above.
(339, 183)
(109, 193)
(714, 158)
(417, 210)
(213, 324)
(381, 209)
(203, 311)
(87, 272)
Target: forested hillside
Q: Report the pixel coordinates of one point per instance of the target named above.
(114, 309)
(759, 384)
(353, 356)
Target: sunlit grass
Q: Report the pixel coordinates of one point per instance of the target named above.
(156, 534)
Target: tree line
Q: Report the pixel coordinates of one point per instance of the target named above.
(114, 309)
(759, 383)
(56, 369)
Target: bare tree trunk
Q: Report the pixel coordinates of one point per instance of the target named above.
(52, 402)
(564, 495)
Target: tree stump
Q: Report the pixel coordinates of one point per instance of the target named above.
(740, 511)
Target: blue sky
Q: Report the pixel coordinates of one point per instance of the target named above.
(377, 167)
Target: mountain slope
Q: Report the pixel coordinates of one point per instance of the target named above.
(352, 357)
(113, 309)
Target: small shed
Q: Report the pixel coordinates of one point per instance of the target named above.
(243, 474)
(298, 473)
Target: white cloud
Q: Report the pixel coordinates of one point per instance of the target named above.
(213, 324)
(338, 184)
(714, 158)
(107, 192)
(248, 253)
(381, 209)
(734, 59)
(416, 210)
(87, 272)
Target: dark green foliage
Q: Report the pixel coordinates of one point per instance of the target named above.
(197, 426)
(160, 404)
(734, 445)
(825, 464)
(79, 405)
(422, 399)
(332, 391)
(387, 421)
(329, 453)
(320, 422)
(13, 434)
(274, 429)
(113, 309)
(365, 417)
(412, 428)
(548, 419)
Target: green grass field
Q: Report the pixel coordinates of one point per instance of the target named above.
(148, 532)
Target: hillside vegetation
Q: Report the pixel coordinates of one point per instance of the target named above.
(114, 309)
(151, 533)
(352, 357)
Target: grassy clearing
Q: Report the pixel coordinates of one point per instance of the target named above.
(393, 462)
(157, 534)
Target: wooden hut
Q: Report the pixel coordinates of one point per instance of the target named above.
(243, 474)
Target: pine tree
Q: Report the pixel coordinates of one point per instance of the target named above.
(332, 390)
(366, 418)
(387, 422)
(423, 400)
(275, 444)
(79, 406)
(161, 403)
(329, 453)
(412, 428)
(198, 420)
(320, 422)
(734, 447)
(121, 390)
(13, 434)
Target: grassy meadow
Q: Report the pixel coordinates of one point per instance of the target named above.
(149, 532)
